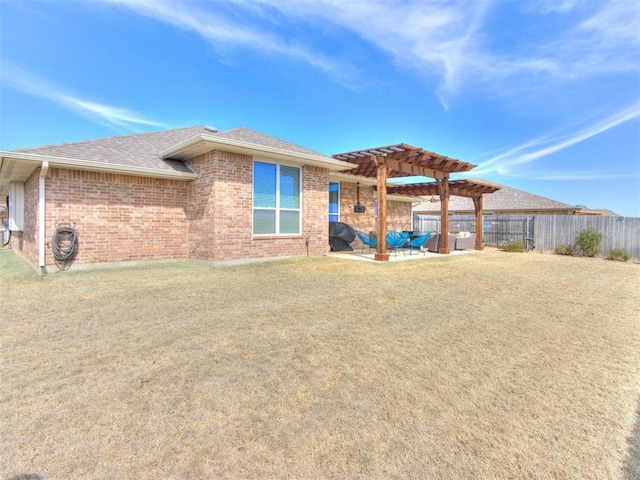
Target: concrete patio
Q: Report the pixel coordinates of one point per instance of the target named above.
(403, 255)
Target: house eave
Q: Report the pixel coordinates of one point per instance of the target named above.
(347, 177)
(34, 160)
(205, 143)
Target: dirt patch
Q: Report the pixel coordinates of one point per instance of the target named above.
(477, 366)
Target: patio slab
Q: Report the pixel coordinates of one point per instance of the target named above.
(401, 257)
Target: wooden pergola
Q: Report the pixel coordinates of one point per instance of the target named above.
(403, 160)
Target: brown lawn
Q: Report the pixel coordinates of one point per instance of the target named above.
(490, 365)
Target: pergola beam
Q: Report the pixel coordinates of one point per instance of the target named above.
(412, 169)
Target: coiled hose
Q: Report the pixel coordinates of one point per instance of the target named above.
(64, 245)
(6, 237)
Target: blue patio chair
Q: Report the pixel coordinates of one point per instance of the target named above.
(396, 240)
(366, 239)
(419, 242)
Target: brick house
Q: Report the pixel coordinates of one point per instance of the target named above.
(191, 193)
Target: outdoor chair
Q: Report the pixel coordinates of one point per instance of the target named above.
(419, 242)
(367, 239)
(396, 240)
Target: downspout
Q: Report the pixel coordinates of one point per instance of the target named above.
(42, 217)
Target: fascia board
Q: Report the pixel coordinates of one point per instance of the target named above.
(347, 177)
(210, 142)
(402, 198)
(76, 164)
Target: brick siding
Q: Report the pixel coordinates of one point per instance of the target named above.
(220, 211)
(118, 217)
(130, 218)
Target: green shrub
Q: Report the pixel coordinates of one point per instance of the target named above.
(564, 249)
(513, 247)
(588, 242)
(618, 254)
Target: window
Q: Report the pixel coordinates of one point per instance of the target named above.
(276, 199)
(334, 202)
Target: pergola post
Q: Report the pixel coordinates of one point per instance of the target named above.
(477, 204)
(381, 178)
(443, 190)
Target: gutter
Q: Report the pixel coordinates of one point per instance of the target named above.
(42, 216)
(93, 166)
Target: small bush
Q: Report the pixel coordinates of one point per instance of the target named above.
(618, 254)
(588, 242)
(513, 247)
(564, 249)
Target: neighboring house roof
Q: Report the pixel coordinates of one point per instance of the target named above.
(159, 154)
(596, 211)
(505, 199)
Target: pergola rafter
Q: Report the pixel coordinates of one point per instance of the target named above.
(461, 188)
(401, 160)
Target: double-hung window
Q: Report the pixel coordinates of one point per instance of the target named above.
(276, 199)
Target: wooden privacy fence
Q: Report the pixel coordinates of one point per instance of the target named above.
(618, 232)
(544, 232)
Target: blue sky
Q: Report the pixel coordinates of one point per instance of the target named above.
(543, 96)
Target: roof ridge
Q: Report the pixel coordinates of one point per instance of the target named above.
(241, 127)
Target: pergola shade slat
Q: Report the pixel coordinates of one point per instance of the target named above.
(461, 188)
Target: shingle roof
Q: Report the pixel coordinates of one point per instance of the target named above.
(506, 198)
(139, 150)
(251, 136)
(142, 150)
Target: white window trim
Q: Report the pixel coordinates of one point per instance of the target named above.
(277, 208)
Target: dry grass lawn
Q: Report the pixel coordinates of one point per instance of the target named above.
(492, 365)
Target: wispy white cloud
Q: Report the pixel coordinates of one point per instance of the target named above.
(551, 6)
(544, 146)
(21, 80)
(223, 31)
(582, 176)
(437, 39)
(614, 22)
(452, 43)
